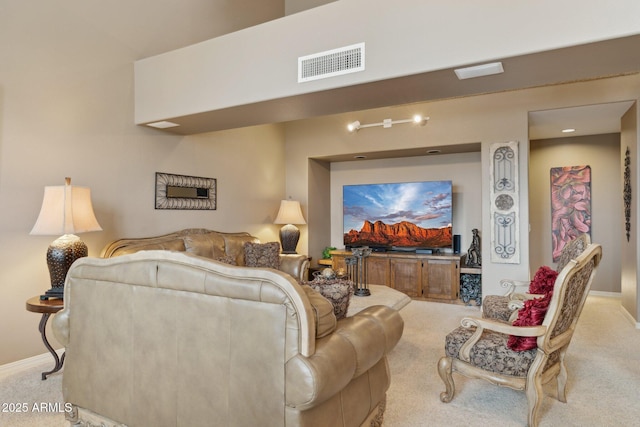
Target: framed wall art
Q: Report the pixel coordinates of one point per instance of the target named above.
(185, 192)
(570, 205)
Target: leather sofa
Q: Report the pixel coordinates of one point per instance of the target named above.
(207, 243)
(165, 338)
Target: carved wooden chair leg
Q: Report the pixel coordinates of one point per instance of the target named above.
(562, 379)
(445, 365)
(534, 393)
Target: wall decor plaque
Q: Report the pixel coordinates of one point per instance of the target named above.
(626, 194)
(505, 196)
(185, 192)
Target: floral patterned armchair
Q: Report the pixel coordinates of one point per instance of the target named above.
(483, 348)
(505, 307)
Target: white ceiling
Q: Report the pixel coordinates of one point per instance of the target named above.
(586, 120)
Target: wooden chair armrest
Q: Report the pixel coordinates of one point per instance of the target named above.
(524, 296)
(513, 285)
(516, 302)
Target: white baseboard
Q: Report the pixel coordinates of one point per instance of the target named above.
(605, 294)
(618, 295)
(24, 364)
(630, 317)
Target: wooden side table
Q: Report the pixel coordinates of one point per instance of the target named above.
(47, 308)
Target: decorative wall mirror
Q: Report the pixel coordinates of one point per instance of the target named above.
(185, 192)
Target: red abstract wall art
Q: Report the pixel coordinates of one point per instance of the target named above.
(570, 205)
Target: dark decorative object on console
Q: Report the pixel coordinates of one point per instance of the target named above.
(357, 270)
(474, 259)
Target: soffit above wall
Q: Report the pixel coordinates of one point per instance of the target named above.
(602, 59)
(586, 120)
(473, 147)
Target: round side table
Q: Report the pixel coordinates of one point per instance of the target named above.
(47, 308)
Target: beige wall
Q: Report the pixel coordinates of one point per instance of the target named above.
(486, 119)
(295, 6)
(462, 169)
(403, 37)
(629, 250)
(602, 154)
(66, 109)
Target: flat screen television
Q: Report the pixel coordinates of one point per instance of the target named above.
(398, 216)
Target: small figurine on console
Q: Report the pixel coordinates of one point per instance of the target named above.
(474, 259)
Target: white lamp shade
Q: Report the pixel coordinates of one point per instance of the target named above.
(289, 213)
(66, 210)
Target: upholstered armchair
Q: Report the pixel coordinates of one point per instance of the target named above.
(523, 357)
(505, 307)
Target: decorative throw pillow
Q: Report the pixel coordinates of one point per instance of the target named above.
(266, 255)
(532, 314)
(543, 281)
(337, 291)
(227, 259)
(322, 312)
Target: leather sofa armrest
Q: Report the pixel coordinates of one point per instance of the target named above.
(357, 344)
(295, 265)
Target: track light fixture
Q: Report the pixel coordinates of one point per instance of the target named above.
(387, 123)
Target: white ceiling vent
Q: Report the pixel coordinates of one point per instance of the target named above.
(344, 60)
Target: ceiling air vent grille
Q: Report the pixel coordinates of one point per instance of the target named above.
(344, 60)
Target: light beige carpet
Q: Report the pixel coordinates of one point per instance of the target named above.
(603, 363)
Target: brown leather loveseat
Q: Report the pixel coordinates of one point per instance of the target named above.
(163, 338)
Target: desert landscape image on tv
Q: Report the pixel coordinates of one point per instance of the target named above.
(411, 214)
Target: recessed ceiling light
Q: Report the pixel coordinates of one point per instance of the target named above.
(479, 70)
(162, 125)
(568, 130)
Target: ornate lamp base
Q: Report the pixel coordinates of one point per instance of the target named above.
(289, 236)
(52, 294)
(60, 255)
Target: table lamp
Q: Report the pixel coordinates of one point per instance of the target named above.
(289, 214)
(65, 210)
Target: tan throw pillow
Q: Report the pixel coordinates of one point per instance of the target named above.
(265, 255)
(322, 311)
